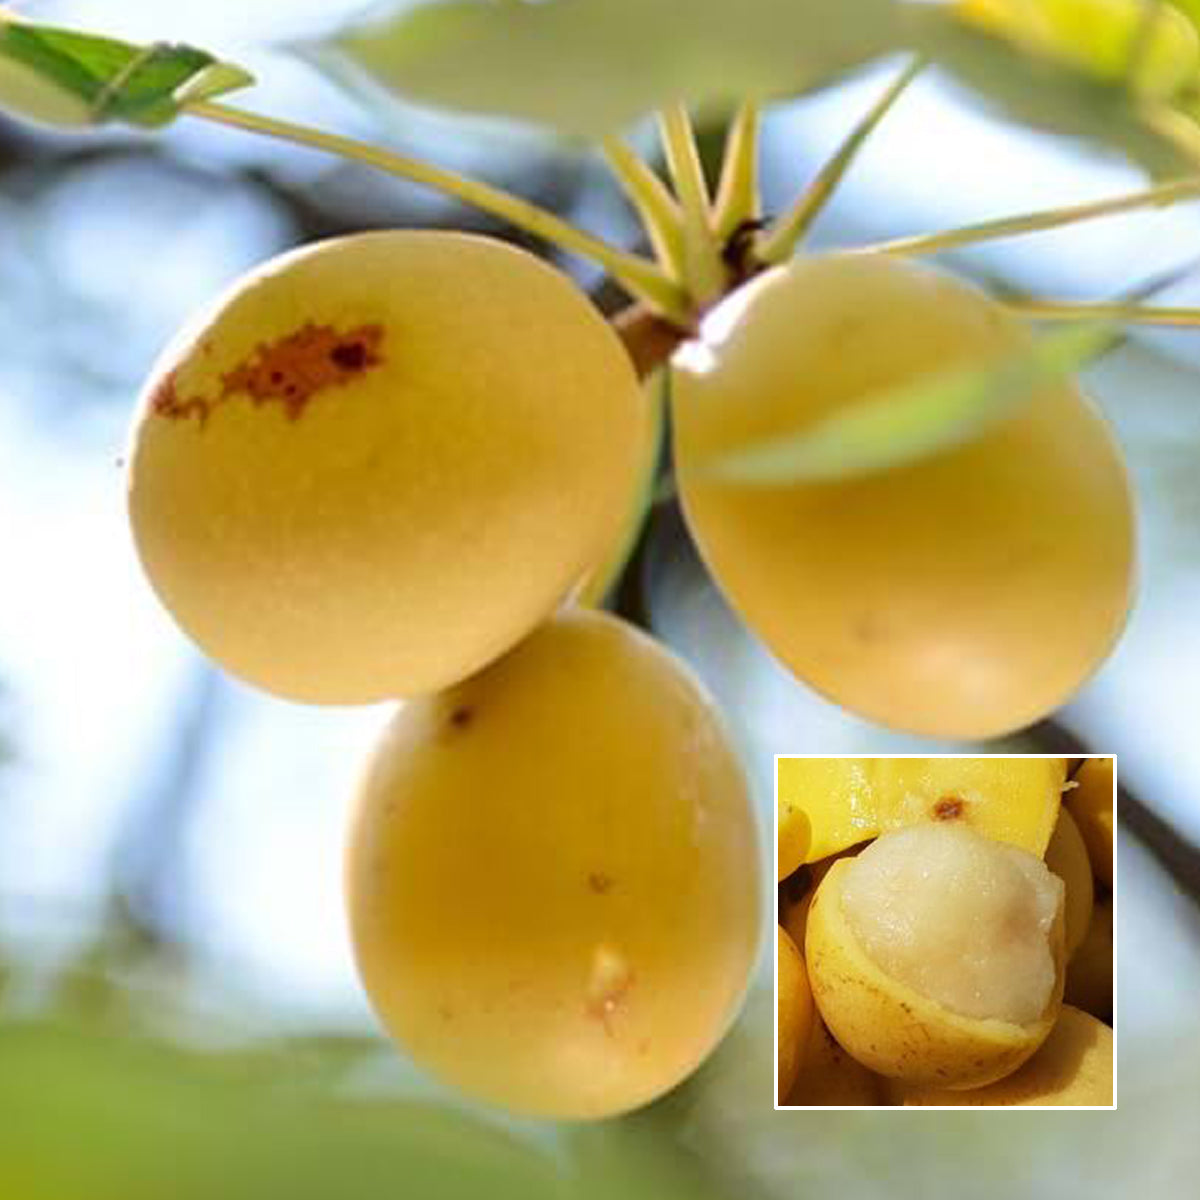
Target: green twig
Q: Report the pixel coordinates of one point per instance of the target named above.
(738, 198)
(1160, 196)
(656, 208)
(704, 272)
(637, 275)
(778, 243)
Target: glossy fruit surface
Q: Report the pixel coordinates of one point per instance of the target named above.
(553, 875)
(963, 594)
(847, 800)
(378, 461)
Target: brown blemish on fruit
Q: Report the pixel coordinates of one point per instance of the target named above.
(948, 808)
(461, 717)
(600, 883)
(290, 372)
(166, 401)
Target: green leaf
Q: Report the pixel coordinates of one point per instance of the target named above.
(1084, 68)
(590, 66)
(914, 420)
(67, 79)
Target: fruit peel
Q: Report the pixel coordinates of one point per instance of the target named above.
(896, 1031)
(1073, 1067)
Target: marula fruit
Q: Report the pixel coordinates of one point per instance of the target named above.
(379, 461)
(553, 877)
(963, 594)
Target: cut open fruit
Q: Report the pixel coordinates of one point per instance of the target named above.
(936, 955)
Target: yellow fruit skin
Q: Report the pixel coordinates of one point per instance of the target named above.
(1090, 972)
(1074, 1066)
(893, 1029)
(830, 1076)
(962, 595)
(379, 461)
(794, 834)
(848, 800)
(794, 913)
(553, 875)
(1067, 857)
(794, 1005)
(1091, 804)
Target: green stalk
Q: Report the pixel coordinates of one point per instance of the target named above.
(1161, 196)
(738, 197)
(656, 208)
(1133, 314)
(779, 242)
(704, 272)
(637, 275)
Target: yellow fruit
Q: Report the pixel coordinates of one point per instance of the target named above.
(379, 461)
(793, 836)
(553, 877)
(602, 580)
(830, 1076)
(1090, 972)
(847, 800)
(1067, 857)
(794, 1006)
(1091, 804)
(965, 594)
(794, 912)
(935, 955)
(1074, 1066)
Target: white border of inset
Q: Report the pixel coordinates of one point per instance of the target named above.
(936, 1107)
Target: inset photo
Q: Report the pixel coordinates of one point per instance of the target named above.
(945, 932)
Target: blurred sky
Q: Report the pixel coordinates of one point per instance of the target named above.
(103, 694)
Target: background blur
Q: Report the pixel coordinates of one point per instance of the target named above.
(170, 842)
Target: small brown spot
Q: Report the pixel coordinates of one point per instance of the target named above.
(462, 716)
(868, 629)
(350, 356)
(445, 1012)
(948, 808)
(166, 401)
(600, 883)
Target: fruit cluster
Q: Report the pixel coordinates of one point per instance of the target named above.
(383, 466)
(377, 469)
(934, 914)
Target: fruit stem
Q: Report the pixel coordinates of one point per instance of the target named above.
(649, 339)
(1160, 196)
(1140, 314)
(779, 242)
(638, 276)
(738, 197)
(704, 272)
(651, 199)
